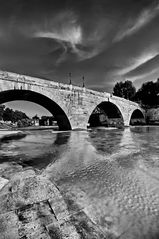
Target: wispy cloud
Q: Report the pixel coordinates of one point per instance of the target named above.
(64, 30)
(134, 25)
(145, 69)
(136, 62)
(141, 75)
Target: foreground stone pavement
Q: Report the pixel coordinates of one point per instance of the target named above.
(32, 207)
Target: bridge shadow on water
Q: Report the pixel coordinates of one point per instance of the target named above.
(104, 140)
(35, 152)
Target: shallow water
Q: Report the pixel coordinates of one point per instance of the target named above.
(111, 175)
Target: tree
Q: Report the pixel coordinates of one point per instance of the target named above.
(8, 115)
(148, 94)
(125, 90)
(19, 115)
(2, 107)
(13, 116)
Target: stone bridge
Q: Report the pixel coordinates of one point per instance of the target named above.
(71, 105)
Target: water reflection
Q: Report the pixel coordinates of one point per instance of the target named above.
(111, 175)
(106, 141)
(61, 138)
(107, 176)
(37, 149)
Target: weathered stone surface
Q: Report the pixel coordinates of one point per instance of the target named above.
(33, 219)
(87, 229)
(23, 190)
(68, 230)
(9, 226)
(60, 208)
(54, 231)
(32, 207)
(3, 182)
(9, 169)
(77, 103)
(25, 211)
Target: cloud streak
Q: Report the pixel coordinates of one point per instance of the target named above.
(64, 27)
(147, 68)
(134, 25)
(135, 63)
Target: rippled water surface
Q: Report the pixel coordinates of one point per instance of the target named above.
(112, 175)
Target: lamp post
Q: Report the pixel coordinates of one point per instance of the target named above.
(83, 85)
(70, 80)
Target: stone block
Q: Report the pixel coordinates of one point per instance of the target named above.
(9, 226)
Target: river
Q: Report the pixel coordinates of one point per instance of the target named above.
(112, 175)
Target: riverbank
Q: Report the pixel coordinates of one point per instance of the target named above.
(11, 134)
(39, 128)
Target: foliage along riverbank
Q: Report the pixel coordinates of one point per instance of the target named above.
(152, 116)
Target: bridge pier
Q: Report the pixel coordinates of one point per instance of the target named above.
(78, 121)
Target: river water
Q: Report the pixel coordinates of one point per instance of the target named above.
(111, 175)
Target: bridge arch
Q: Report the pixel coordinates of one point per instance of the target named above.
(137, 117)
(106, 114)
(32, 96)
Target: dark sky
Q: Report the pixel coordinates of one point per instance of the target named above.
(104, 40)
